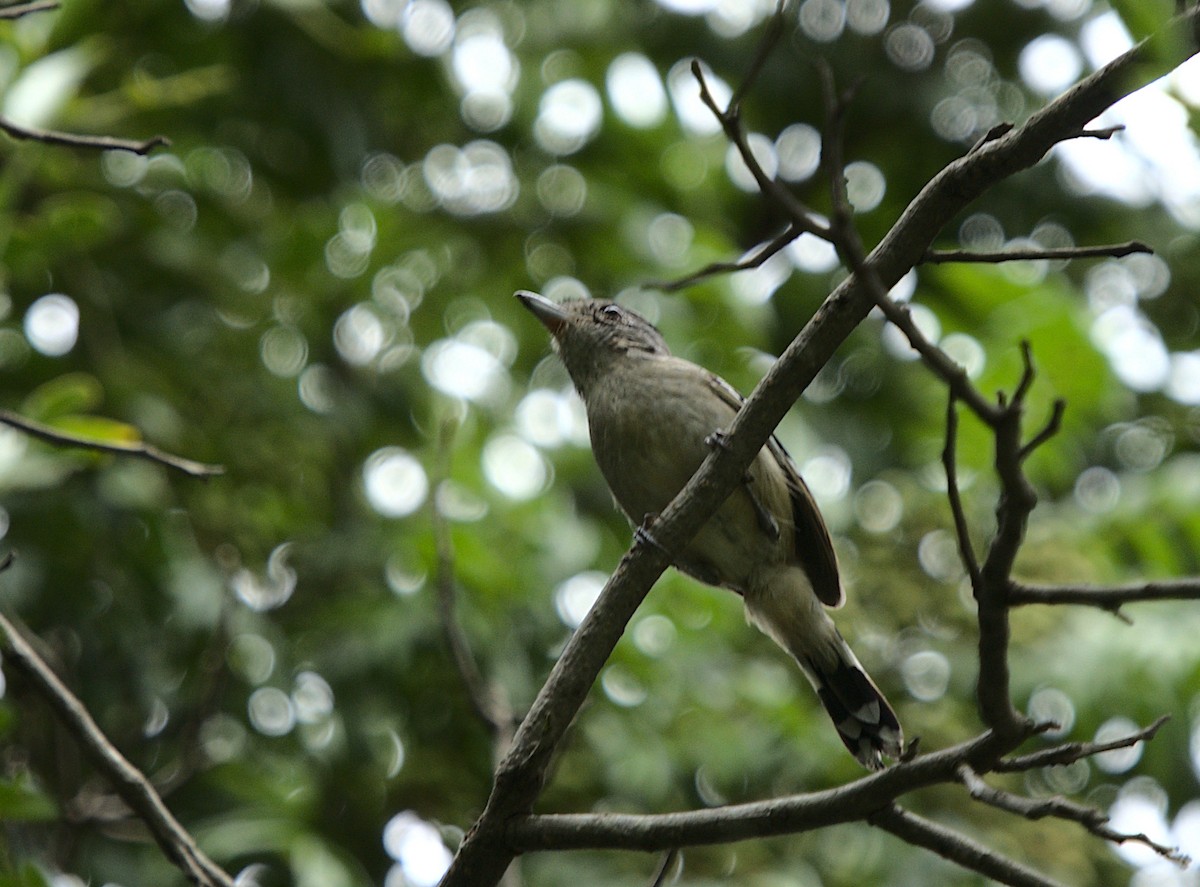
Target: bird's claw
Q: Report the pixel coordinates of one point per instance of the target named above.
(717, 440)
(642, 535)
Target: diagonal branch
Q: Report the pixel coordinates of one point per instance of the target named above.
(17, 10)
(730, 119)
(1095, 821)
(958, 848)
(756, 259)
(485, 853)
(133, 787)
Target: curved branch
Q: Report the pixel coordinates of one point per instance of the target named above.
(130, 783)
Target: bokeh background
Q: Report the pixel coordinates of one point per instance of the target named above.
(312, 287)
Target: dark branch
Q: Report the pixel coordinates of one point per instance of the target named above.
(137, 449)
(1114, 250)
(957, 848)
(766, 44)
(486, 853)
(950, 462)
(70, 140)
(1095, 821)
(17, 10)
(1110, 598)
(788, 815)
(801, 216)
(1070, 752)
(756, 259)
(133, 787)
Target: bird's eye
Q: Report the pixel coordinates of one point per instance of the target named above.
(612, 312)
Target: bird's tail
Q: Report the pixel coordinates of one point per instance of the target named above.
(796, 620)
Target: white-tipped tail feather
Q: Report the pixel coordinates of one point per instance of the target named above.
(785, 608)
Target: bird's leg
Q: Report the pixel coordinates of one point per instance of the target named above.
(766, 522)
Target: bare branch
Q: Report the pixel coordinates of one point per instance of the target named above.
(1095, 821)
(966, 551)
(1103, 133)
(1052, 427)
(957, 848)
(787, 815)
(756, 259)
(71, 140)
(668, 860)
(17, 10)
(1070, 752)
(138, 449)
(801, 216)
(133, 787)
(1110, 598)
(486, 851)
(1112, 250)
(766, 44)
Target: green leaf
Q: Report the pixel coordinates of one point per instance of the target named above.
(71, 393)
(22, 801)
(98, 429)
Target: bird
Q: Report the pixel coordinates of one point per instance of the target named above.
(653, 418)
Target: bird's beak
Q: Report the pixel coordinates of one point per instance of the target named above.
(551, 315)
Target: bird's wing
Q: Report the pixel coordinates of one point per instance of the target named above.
(813, 547)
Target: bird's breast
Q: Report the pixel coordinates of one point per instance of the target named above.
(648, 425)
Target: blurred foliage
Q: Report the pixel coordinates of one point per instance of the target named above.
(315, 280)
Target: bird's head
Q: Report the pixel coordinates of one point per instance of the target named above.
(591, 334)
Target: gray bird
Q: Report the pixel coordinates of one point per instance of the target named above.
(653, 419)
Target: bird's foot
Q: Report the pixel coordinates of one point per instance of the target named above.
(643, 536)
(717, 440)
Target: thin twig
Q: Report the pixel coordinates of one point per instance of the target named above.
(1052, 427)
(71, 140)
(1114, 251)
(766, 44)
(957, 848)
(1110, 598)
(966, 550)
(1102, 133)
(1095, 821)
(669, 858)
(133, 787)
(138, 449)
(17, 10)
(757, 258)
(730, 119)
(1070, 752)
